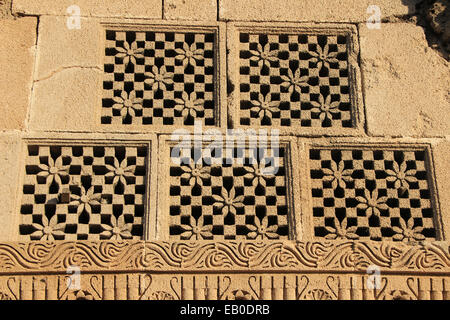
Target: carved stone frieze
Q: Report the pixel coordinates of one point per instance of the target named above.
(42, 257)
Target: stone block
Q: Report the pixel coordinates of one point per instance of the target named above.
(96, 8)
(311, 10)
(10, 162)
(190, 10)
(17, 49)
(406, 83)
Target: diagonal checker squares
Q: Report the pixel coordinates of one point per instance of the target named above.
(84, 192)
(289, 80)
(218, 197)
(159, 78)
(372, 194)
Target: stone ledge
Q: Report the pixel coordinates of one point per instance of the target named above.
(311, 10)
(90, 8)
(225, 256)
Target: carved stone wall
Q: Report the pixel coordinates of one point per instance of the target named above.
(224, 150)
(235, 270)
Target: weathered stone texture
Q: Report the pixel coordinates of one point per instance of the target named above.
(17, 49)
(88, 149)
(311, 10)
(405, 82)
(65, 101)
(97, 8)
(9, 176)
(441, 156)
(190, 10)
(5, 8)
(62, 48)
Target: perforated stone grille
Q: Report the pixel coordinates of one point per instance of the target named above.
(374, 194)
(294, 80)
(84, 192)
(216, 197)
(159, 78)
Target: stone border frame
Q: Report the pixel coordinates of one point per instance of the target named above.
(148, 141)
(306, 145)
(292, 186)
(219, 28)
(40, 257)
(358, 115)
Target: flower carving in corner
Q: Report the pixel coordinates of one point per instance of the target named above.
(48, 229)
(325, 107)
(120, 171)
(264, 56)
(118, 230)
(407, 232)
(189, 54)
(322, 57)
(262, 230)
(401, 176)
(129, 53)
(53, 171)
(337, 175)
(197, 230)
(258, 173)
(127, 104)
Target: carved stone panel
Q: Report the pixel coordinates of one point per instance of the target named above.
(85, 191)
(301, 79)
(163, 77)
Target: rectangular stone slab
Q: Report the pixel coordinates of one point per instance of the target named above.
(311, 10)
(92, 8)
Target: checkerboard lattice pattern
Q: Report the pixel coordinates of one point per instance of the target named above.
(84, 192)
(371, 194)
(289, 80)
(159, 78)
(218, 197)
